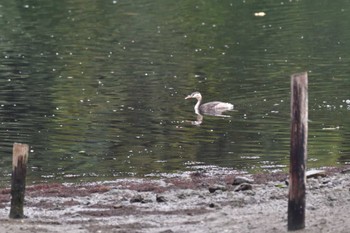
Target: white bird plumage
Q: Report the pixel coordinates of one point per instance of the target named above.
(215, 108)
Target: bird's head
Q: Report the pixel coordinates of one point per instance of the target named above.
(195, 95)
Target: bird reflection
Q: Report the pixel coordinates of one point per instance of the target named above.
(198, 121)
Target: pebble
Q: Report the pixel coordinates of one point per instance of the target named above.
(331, 197)
(310, 207)
(160, 198)
(137, 198)
(240, 180)
(243, 187)
(167, 231)
(315, 173)
(346, 170)
(214, 188)
(213, 205)
(325, 180)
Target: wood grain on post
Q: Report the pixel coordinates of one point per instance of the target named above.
(18, 182)
(298, 151)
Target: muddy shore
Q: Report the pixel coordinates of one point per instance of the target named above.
(198, 202)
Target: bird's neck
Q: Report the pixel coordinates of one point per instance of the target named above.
(196, 107)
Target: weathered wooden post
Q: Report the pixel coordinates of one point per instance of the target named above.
(298, 151)
(18, 183)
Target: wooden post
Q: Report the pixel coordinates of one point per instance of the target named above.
(298, 151)
(18, 183)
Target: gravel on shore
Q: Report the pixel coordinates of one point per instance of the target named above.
(198, 202)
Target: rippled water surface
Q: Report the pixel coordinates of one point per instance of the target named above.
(97, 89)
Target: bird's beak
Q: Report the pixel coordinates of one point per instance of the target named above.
(187, 97)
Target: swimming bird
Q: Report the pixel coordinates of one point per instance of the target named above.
(215, 108)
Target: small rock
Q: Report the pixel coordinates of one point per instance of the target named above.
(315, 173)
(212, 205)
(311, 207)
(345, 171)
(166, 231)
(331, 197)
(118, 206)
(160, 198)
(137, 198)
(147, 201)
(330, 184)
(240, 180)
(214, 188)
(325, 180)
(243, 187)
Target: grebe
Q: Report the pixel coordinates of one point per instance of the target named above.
(215, 108)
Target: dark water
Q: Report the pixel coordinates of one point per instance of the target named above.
(96, 88)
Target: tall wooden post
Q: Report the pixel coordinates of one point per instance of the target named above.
(18, 183)
(298, 151)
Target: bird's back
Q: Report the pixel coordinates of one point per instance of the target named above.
(215, 106)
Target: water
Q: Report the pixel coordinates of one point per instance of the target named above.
(97, 90)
